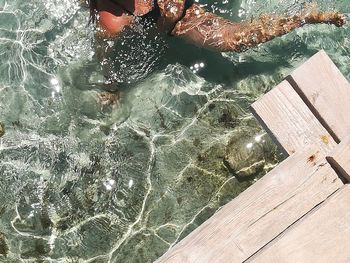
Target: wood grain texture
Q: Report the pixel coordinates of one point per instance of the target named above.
(326, 91)
(339, 158)
(260, 213)
(289, 121)
(322, 237)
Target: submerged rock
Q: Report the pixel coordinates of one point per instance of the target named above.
(2, 129)
(248, 153)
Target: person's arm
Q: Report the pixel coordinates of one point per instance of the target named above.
(208, 30)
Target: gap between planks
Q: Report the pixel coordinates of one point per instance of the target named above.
(322, 236)
(289, 121)
(339, 159)
(291, 227)
(326, 91)
(260, 213)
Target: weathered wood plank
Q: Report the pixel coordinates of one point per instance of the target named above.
(289, 121)
(322, 236)
(326, 91)
(339, 158)
(260, 213)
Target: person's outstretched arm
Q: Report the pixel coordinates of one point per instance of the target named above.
(208, 30)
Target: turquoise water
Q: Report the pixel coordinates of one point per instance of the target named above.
(81, 182)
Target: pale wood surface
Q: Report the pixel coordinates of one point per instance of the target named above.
(260, 213)
(322, 237)
(289, 121)
(327, 92)
(339, 158)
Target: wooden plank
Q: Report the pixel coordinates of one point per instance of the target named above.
(260, 213)
(326, 91)
(339, 158)
(289, 121)
(323, 236)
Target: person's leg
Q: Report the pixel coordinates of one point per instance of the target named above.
(208, 30)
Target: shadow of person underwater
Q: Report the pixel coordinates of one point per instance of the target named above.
(131, 64)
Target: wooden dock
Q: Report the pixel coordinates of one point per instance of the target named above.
(300, 211)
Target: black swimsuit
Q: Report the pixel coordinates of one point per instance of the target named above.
(154, 14)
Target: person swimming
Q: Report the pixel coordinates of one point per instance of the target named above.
(191, 22)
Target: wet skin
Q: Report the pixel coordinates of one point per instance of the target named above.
(203, 28)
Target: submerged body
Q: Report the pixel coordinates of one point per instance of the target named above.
(191, 22)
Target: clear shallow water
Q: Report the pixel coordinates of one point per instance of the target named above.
(83, 184)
